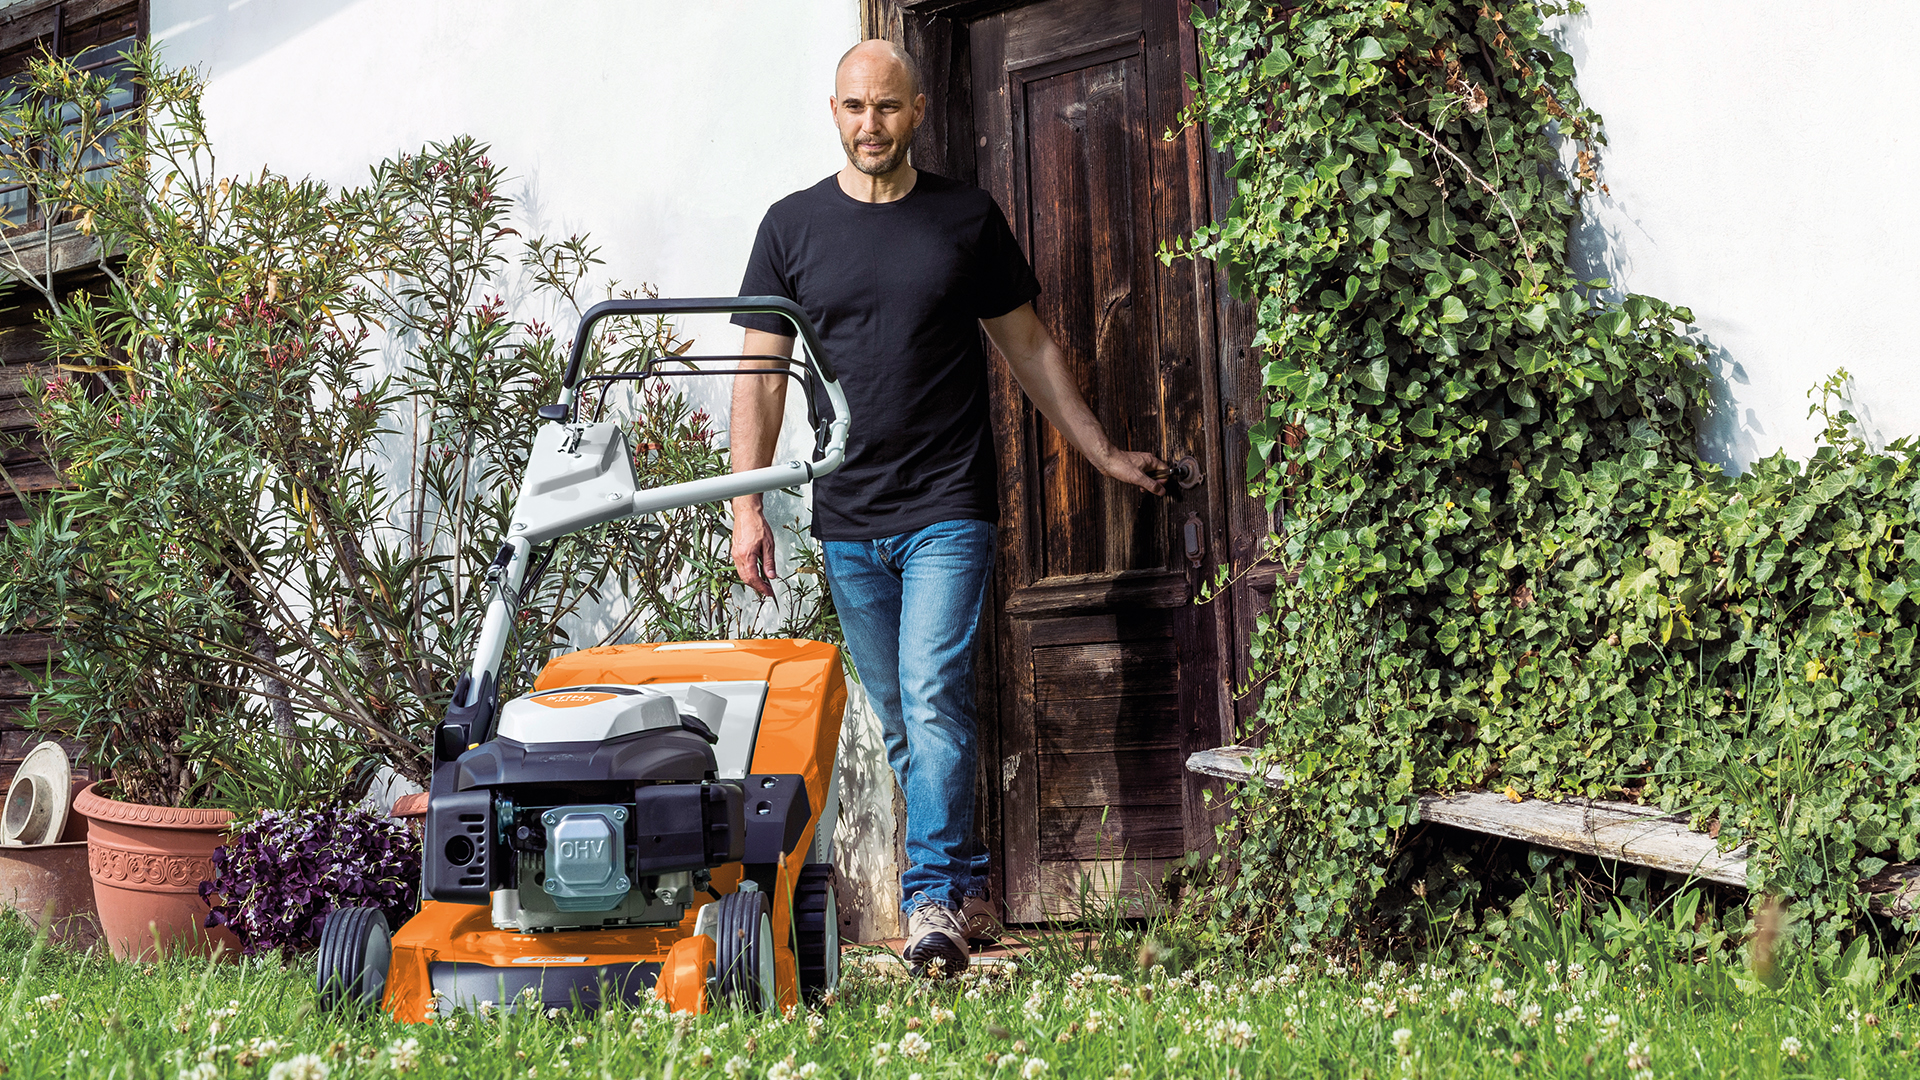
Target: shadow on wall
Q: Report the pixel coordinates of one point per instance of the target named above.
(1728, 435)
(866, 841)
(226, 34)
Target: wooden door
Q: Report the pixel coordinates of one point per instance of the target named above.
(1107, 674)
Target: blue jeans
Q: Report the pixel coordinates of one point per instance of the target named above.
(910, 608)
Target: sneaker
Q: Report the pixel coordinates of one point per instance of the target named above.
(936, 941)
(982, 916)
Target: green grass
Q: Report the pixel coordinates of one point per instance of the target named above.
(1058, 1017)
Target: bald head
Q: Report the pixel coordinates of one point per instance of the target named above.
(877, 104)
(881, 53)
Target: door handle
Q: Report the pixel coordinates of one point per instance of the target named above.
(1185, 473)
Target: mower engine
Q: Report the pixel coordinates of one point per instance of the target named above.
(606, 805)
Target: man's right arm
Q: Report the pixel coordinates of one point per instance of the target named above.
(759, 403)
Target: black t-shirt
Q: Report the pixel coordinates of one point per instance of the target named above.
(895, 291)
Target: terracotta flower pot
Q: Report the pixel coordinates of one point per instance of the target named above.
(147, 863)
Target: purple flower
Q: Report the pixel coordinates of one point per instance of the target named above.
(277, 879)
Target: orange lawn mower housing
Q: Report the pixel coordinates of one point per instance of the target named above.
(638, 823)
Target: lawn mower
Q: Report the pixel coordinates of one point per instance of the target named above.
(639, 822)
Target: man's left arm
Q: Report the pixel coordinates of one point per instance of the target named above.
(1042, 372)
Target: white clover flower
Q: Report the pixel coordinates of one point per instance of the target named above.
(206, 1070)
(914, 1045)
(299, 1067)
(577, 1041)
(1530, 1014)
(1033, 1069)
(780, 1071)
(50, 1001)
(1005, 1060)
(735, 1067)
(1173, 1052)
(1389, 969)
(1791, 1047)
(808, 1071)
(1456, 997)
(883, 1010)
(1576, 972)
(403, 1054)
(1235, 1033)
(938, 1015)
(1403, 1040)
(1640, 1057)
(814, 1023)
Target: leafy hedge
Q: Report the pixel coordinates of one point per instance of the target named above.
(1513, 569)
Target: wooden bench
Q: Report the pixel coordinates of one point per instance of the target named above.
(1640, 835)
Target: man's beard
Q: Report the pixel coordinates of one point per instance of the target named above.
(875, 166)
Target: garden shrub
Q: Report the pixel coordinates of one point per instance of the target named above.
(1513, 569)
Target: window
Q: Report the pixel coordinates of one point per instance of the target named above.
(91, 33)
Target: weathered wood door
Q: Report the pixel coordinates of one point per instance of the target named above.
(1107, 674)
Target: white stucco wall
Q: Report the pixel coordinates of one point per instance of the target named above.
(1762, 160)
(662, 129)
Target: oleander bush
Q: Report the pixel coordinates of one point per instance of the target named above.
(290, 432)
(1513, 569)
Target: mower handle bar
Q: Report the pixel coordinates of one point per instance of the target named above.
(829, 435)
(699, 305)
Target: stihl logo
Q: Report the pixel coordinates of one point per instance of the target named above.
(572, 699)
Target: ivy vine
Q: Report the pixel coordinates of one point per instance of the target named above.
(1513, 569)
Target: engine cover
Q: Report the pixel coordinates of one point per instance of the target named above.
(587, 714)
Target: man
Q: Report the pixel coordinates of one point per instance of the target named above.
(899, 269)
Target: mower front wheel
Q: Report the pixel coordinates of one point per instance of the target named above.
(742, 930)
(356, 948)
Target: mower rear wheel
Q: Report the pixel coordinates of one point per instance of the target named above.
(816, 930)
(356, 948)
(743, 952)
